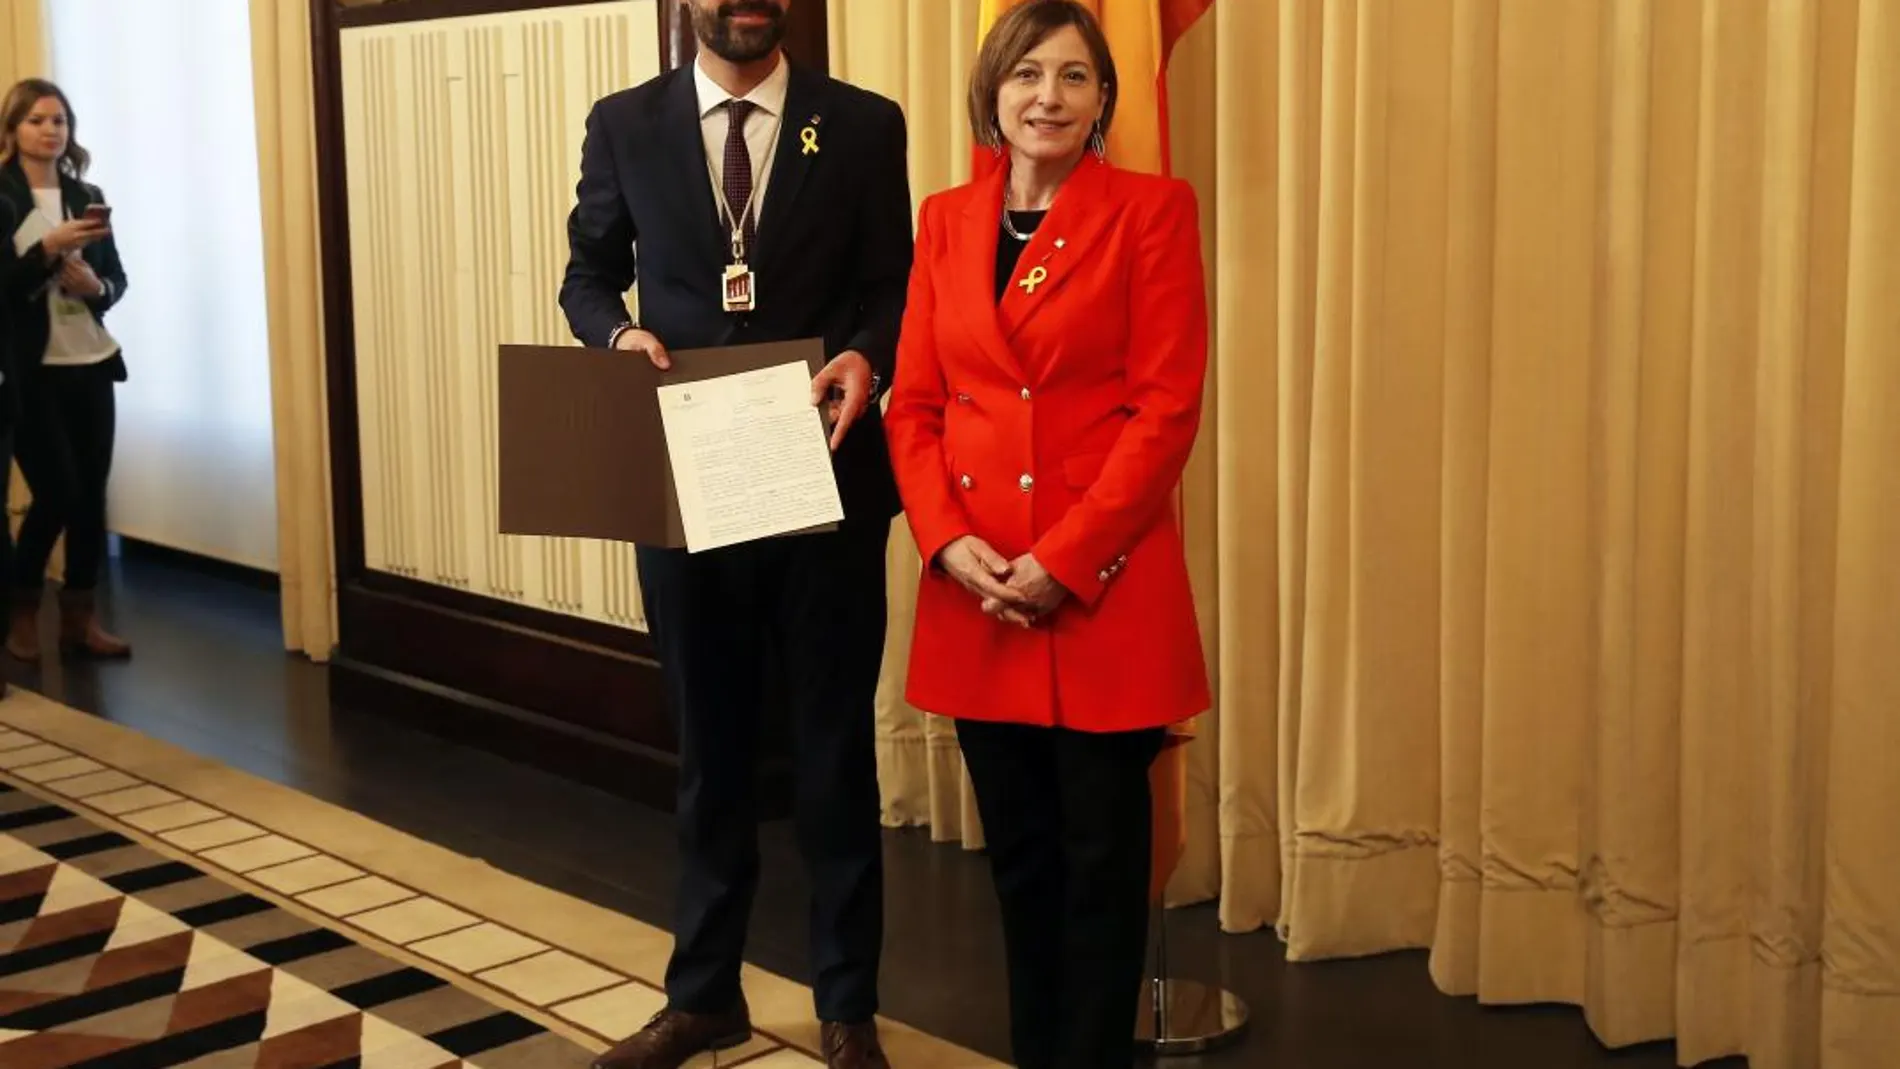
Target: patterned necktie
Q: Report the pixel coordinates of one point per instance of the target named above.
(738, 171)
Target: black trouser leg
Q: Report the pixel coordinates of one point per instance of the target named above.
(94, 420)
(1068, 820)
(67, 429)
(52, 478)
(702, 615)
(1107, 848)
(7, 578)
(831, 616)
(1013, 769)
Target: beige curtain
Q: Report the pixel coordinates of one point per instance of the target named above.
(1546, 514)
(286, 147)
(917, 54)
(22, 40)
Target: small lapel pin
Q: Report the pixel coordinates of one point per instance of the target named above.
(809, 137)
(1062, 242)
(1037, 276)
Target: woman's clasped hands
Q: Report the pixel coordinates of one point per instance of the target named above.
(1019, 592)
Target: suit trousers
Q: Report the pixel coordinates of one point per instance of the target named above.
(1068, 820)
(818, 601)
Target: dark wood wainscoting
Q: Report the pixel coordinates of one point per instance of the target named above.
(568, 695)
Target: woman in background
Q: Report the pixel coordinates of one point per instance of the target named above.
(1048, 393)
(59, 273)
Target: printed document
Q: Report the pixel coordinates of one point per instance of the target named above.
(750, 456)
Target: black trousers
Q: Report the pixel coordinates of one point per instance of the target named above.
(1067, 816)
(6, 515)
(817, 601)
(68, 419)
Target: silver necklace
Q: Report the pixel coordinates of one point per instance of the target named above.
(1010, 228)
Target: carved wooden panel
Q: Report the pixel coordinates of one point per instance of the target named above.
(463, 138)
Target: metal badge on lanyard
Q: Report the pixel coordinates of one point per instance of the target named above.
(738, 285)
(739, 282)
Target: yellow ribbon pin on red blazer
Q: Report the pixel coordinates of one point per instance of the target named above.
(1037, 276)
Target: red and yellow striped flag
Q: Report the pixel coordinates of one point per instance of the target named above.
(1141, 36)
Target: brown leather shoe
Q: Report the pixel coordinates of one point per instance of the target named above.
(79, 629)
(672, 1038)
(852, 1046)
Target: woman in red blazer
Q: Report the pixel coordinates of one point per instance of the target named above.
(1048, 393)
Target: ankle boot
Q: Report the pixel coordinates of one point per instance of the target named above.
(79, 629)
(23, 629)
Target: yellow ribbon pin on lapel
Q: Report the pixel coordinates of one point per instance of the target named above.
(809, 138)
(1037, 276)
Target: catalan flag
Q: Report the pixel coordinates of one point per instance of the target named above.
(1141, 36)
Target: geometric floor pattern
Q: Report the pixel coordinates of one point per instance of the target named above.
(141, 928)
(113, 956)
(159, 909)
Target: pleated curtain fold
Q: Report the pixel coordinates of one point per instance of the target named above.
(287, 171)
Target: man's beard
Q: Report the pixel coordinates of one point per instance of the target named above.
(739, 44)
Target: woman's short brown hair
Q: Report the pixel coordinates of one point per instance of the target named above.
(1017, 34)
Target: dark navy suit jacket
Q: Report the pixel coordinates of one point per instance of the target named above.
(832, 257)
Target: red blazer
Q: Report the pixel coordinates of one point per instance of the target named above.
(1058, 423)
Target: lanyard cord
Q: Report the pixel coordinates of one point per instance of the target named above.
(737, 222)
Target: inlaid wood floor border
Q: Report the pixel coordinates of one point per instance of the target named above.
(580, 970)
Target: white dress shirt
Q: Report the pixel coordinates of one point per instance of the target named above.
(761, 130)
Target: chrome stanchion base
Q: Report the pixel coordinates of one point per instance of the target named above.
(1187, 1017)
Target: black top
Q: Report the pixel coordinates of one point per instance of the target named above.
(1009, 250)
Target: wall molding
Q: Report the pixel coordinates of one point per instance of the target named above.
(387, 12)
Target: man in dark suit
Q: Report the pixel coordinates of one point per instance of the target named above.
(752, 200)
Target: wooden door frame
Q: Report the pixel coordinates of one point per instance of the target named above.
(576, 697)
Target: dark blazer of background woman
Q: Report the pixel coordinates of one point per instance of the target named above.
(24, 322)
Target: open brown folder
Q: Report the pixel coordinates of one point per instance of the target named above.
(582, 447)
